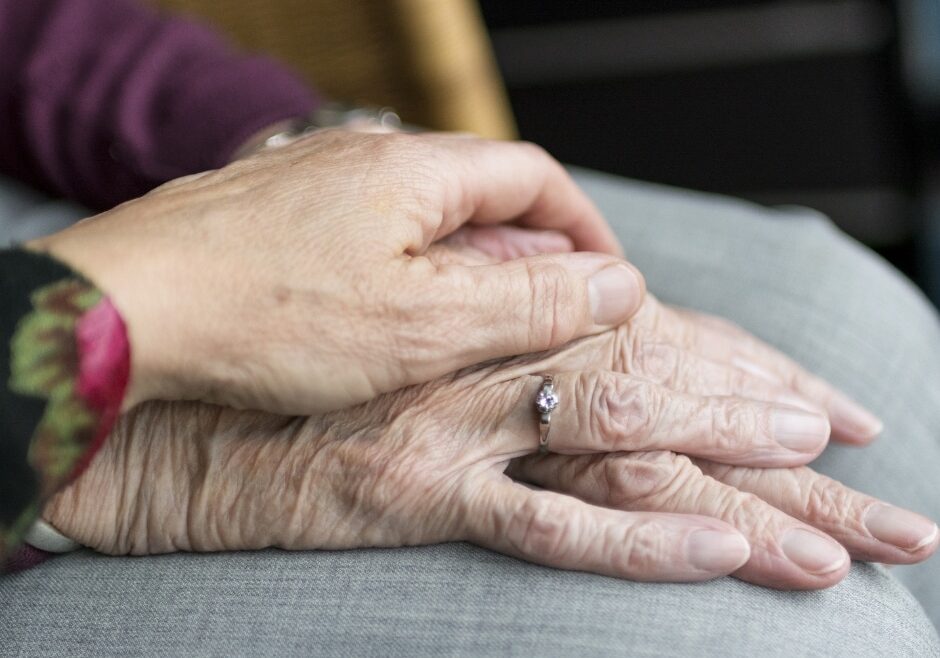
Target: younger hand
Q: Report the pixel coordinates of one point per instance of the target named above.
(295, 281)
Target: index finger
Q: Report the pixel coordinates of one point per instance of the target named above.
(724, 341)
(494, 182)
(564, 532)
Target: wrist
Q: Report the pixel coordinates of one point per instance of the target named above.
(115, 324)
(43, 536)
(76, 334)
(66, 375)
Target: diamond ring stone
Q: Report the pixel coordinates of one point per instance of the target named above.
(546, 401)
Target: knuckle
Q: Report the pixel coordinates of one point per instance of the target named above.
(680, 475)
(733, 426)
(744, 511)
(643, 478)
(411, 161)
(624, 410)
(828, 500)
(643, 547)
(540, 527)
(624, 480)
(552, 321)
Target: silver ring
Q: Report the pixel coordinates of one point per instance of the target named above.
(546, 401)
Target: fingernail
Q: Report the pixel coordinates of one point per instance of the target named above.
(616, 293)
(813, 553)
(799, 430)
(900, 527)
(718, 552)
(849, 415)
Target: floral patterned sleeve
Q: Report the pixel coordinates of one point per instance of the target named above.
(64, 369)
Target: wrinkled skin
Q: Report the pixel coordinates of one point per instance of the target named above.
(295, 281)
(433, 462)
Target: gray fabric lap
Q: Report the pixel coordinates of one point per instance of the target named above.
(451, 599)
(460, 600)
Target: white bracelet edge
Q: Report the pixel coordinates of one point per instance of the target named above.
(46, 538)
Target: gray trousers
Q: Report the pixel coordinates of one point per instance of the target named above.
(787, 275)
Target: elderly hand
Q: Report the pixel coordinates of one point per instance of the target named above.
(426, 464)
(690, 351)
(294, 281)
(790, 516)
(777, 509)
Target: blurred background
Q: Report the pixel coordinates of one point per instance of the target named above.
(833, 104)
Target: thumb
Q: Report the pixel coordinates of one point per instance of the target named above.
(538, 303)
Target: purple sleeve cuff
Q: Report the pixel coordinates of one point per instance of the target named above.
(247, 99)
(105, 99)
(192, 102)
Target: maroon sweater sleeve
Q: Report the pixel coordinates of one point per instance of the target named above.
(102, 100)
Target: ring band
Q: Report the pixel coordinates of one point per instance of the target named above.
(546, 401)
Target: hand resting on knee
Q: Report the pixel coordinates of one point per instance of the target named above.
(669, 461)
